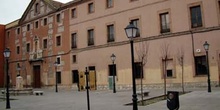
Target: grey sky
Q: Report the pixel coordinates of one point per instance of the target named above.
(11, 10)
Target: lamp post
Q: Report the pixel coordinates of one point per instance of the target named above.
(206, 47)
(87, 88)
(7, 55)
(113, 57)
(131, 31)
(55, 65)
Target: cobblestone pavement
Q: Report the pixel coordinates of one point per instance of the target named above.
(198, 99)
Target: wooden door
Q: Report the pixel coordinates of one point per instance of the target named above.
(36, 77)
(92, 80)
(82, 81)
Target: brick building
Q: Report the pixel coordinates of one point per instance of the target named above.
(84, 33)
(2, 37)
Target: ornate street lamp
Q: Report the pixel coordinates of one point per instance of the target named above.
(7, 55)
(113, 57)
(55, 65)
(206, 47)
(131, 31)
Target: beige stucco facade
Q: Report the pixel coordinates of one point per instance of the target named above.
(180, 36)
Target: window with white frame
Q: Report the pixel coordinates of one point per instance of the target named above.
(58, 60)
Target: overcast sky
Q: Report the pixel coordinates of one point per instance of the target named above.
(11, 10)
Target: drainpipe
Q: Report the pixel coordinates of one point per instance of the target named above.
(193, 48)
(193, 53)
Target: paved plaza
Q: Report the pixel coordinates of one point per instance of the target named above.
(198, 99)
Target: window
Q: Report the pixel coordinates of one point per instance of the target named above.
(36, 24)
(8, 34)
(112, 70)
(90, 37)
(196, 16)
(73, 37)
(110, 33)
(58, 18)
(18, 30)
(74, 59)
(135, 22)
(45, 43)
(109, 3)
(164, 22)
(28, 47)
(18, 67)
(73, 13)
(75, 76)
(58, 60)
(58, 40)
(91, 8)
(91, 68)
(219, 6)
(58, 77)
(169, 73)
(37, 8)
(18, 50)
(137, 69)
(200, 65)
(28, 27)
(169, 67)
(45, 21)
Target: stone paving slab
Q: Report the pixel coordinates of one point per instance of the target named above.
(106, 100)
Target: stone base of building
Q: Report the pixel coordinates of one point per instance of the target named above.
(189, 85)
(161, 86)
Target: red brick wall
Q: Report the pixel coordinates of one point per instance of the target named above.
(2, 39)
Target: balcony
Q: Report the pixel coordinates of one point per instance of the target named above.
(36, 56)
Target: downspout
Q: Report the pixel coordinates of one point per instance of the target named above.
(193, 48)
(193, 53)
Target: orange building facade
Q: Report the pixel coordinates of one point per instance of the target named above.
(2, 44)
(85, 33)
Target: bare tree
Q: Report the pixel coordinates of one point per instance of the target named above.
(165, 53)
(142, 53)
(180, 58)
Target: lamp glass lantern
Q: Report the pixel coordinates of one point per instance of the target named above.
(131, 31)
(7, 53)
(113, 57)
(55, 64)
(206, 46)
